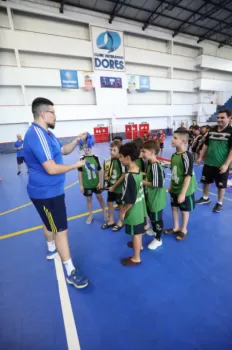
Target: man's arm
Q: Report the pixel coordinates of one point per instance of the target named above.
(55, 169)
(202, 154)
(225, 166)
(69, 147)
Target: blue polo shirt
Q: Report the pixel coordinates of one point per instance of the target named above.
(19, 152)
(39, 146)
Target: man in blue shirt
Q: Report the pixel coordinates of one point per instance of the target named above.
(43, 155)
(18, 147)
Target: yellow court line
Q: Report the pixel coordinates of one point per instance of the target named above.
(27, 204)
(35, 228)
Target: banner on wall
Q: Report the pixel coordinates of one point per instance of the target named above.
(108, 49)
(88, 80)
(131, 83)
(144, 83)
(111, 82)
(69, 79)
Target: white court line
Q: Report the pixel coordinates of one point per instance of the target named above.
(69, 322)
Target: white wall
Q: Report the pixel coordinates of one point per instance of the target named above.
(45, 41)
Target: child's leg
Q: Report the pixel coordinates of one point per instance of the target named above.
(158, 226)
(89, 206)
(185, 220)
(137, 245)
(111, 213)
(175, 214)
(102, 204)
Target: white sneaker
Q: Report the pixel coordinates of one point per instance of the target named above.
(154, 244)
(150, 232)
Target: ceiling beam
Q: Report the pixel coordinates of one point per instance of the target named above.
(221, 26)
(119, 4)
(62, 6)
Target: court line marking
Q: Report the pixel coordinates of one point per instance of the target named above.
(35, 228)
(66, 307)
(27, 204)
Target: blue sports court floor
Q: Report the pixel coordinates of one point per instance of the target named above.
(179, 298)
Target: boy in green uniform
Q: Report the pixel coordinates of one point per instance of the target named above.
(113, 181)
(133, 213)
(140, 161)
(155, 191)
(183, 184)
(91, 182)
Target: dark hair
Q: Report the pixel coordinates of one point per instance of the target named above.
(39, 105)
(226, 111)
(117, 138)
(152, 145)
(130, 149)
(139, 142)
(116, 143)
(196, 127)
(183, 133)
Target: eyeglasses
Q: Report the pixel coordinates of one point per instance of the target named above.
(51, 112)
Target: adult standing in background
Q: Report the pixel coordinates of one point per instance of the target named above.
(43, 155)
(217, 152)
(18, 147)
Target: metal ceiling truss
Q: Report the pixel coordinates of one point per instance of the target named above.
(209, 7)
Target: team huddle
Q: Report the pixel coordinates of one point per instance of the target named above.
(135, 181)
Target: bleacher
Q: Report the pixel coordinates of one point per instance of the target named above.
(227, 105)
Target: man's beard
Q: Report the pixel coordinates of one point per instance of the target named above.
(51, 126)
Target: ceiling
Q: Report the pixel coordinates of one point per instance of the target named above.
(205, 19)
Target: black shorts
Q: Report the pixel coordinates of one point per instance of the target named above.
(20, 160)
(136, 229)
(155, 216)
(88, 192)
(212, 174)
(114, 197)
(187, 205)
(161, 145)
(52, 212)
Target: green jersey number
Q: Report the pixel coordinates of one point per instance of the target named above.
(175, 178)
(91, 174)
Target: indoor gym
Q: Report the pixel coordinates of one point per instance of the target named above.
(180, 296)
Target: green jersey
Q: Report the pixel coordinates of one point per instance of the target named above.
(133, 194)
(219, 145)
(90, 178)
(116, 169)
(156, 195)
(182, 166)
(141, 164)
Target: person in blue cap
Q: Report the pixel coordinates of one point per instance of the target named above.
(43, 155)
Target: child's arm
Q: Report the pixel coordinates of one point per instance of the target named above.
(157, 177)
(80, 181)
(129, 196)
(120, 180)
(187, 160)
(100, 174)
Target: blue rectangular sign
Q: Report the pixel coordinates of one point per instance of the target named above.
(144, 83)
(69, 79)
(111, 82)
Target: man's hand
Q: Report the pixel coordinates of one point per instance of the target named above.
(82, 189)
(181, 198)
(98, 185)
(111, 189)
(80, 163)
(199, 160)
(223, 169)
(122, 216)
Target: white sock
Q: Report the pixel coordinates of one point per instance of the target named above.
(69, 266)
(220, 203)
(51, 246)
(205, 197)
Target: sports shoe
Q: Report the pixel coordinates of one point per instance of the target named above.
(203, 201)
(217, 208)
(77, 280)
(150, 232)
(155, 244)
(51, 255)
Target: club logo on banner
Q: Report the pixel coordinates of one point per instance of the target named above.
(144, 83)
(88, 80)
(108, 49)
(69, 79)
(131, 83)
(110, 82)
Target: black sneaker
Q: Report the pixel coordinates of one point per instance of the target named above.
(19, 172)
(203, 201)
(217, 208)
